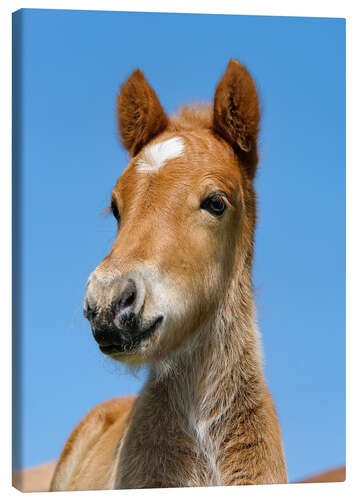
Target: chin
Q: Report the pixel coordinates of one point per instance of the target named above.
(129, 358)
(146, 351)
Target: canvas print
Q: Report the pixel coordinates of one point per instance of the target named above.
(179, 250)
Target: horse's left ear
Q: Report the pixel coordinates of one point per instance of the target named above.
(236, 113)
(140, 114)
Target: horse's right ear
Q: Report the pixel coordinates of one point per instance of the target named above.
(140, 114)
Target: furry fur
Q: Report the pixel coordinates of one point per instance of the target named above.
(205, 416)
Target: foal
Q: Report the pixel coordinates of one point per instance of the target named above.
(175, 292)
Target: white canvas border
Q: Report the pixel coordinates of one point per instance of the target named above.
(303, 8)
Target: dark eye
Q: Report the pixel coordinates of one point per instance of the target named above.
(214, 204)
(115, 210)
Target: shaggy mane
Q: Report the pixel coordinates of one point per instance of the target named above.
(192, 117)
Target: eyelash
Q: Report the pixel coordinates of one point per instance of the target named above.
(215, 204)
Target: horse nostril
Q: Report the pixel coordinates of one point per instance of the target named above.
(89, 313)
(128, 301)
(128, 297)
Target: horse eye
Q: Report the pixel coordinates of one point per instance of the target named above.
(214, 204)
(115, 211)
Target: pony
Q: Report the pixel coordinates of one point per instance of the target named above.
(175, 293)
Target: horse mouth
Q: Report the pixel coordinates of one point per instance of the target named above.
(130, 341)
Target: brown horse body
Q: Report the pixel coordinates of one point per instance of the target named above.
(175, 293)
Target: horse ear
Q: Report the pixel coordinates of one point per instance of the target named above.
(236, 113)
(140, 114)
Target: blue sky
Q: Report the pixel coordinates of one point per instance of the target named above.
(72, 65)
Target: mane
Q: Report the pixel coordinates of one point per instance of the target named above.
(192, 116)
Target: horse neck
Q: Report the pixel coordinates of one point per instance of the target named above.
(220, 368)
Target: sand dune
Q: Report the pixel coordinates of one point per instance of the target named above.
(337, 475)
(35, 478)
